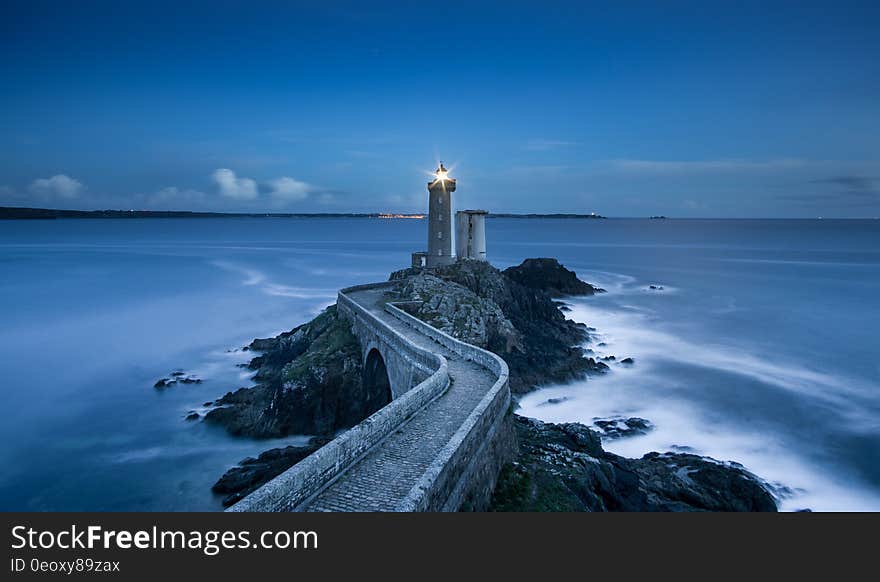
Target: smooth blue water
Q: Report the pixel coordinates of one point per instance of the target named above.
(761, 348)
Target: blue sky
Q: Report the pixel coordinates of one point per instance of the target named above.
(730, 109)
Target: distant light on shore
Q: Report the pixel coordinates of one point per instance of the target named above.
(417, 216)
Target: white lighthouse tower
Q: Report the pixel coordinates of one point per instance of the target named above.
(440, 189)
(470, 234)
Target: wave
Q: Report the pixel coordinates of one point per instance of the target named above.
(253, 277)
(222, 445)
(691, 413)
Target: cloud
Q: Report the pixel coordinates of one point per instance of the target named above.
(849, 198)
(234, 187)
(852, 190)
(693, 166)
(288, 189)
(58, 185)
(850, 182)
(542, 145)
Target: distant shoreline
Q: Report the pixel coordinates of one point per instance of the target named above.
(20, 213)
(16, 213)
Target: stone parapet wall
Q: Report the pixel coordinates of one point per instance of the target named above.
(466, 469)
(300, 483)
(464, 472)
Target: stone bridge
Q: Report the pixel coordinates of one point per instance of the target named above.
(437, 446)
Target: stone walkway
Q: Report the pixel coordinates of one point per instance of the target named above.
(386, 474)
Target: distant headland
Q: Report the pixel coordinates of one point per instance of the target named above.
(17, 213)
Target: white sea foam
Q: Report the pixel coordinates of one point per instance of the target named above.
(645, 390)
(254, 277)
(635, 331)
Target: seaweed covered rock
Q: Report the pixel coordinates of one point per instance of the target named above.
(310, 382)
(562, 467)
(251, 473)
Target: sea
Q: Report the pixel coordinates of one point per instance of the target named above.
(758, 344)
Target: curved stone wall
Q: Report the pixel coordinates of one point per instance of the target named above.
(300, 483)
(467, 463)
(452, 476)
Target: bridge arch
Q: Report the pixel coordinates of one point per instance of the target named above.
(377, 383)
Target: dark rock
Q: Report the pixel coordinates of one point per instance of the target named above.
(310, 382)
(686, 482)
(602, 344)
(549, 276)
(475, 302)
(554, 401)
(208, 404)
(251, 473)
(656, 287)
(562, 467)
(177, 376)
(618, 427)
(193, 415)
(264, 344)
(608, 359)
(627, 361)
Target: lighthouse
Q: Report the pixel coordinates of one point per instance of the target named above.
(440, 189)
(470, 234)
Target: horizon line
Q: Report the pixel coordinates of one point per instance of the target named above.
(389, 215)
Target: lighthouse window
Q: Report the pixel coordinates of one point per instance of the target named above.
(440, 234)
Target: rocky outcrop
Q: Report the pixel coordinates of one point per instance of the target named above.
(475, 302)
(618, 427)
(176, 377)
(309, 382)
(562, 467)
(549, 276)
(251, 473)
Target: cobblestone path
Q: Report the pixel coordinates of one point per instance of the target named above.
(387, 473)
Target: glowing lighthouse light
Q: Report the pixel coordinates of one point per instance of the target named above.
(442, 173)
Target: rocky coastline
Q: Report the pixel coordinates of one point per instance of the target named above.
(563, 467)
(308, 381)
